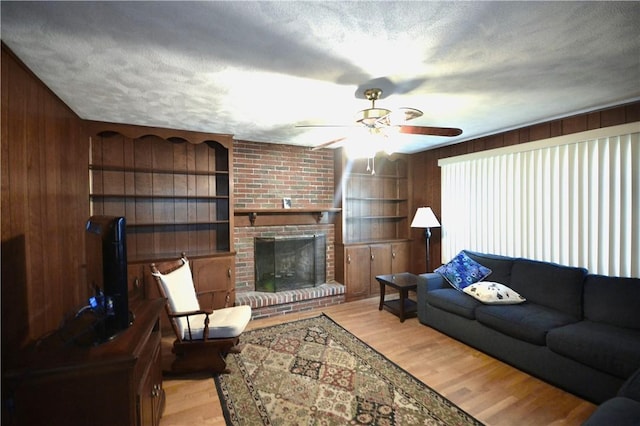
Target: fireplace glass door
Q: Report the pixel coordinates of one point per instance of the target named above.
(289, 263)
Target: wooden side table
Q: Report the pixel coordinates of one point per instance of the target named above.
(403, 282)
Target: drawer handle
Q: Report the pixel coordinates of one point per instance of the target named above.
(348, 258)
(393, 254)
(372, 257)
(136, 282)
(229, 272)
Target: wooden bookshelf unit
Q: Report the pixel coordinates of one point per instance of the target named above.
(372, 228)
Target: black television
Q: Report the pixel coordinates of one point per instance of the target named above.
(106, 255)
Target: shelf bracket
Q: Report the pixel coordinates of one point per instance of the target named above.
(318, 216)
(252, 218)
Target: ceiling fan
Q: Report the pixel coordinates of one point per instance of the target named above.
(377, 120)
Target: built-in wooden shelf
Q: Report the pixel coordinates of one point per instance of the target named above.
(282, 216)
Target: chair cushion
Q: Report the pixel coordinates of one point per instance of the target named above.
(528, 321)
(614, 350)
(223, 323)
(179, 288)
(453, 301)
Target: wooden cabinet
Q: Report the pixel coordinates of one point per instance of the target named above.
(353, 269)
(174, 188)
(361, 264)
(64, 380)
(400, 257)
(372, 228)
(215, 279)
(150, 397)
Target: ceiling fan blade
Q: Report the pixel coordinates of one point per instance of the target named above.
(325, 125)
(433, 131)
(326, 144)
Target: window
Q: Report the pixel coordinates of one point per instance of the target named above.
(573, 200)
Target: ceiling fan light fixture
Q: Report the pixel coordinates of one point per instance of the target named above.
(383, 124)
(370, 116)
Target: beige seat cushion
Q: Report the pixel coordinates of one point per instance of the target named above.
(223, 323)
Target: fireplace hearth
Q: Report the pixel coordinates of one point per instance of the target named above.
(289, 263)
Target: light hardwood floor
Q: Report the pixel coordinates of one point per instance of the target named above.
(488, 389)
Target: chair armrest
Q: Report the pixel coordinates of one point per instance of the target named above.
(189, 313)
(631, 387)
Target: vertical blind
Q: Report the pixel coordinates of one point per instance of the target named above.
(573, 200)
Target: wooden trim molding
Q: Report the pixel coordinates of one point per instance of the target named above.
(278, 217)
(136, 132)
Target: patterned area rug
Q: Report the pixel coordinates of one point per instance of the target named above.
(314, 372)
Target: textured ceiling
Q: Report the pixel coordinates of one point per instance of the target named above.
(258, 69)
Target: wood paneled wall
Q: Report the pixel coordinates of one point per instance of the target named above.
(426, 173)
(44, 207)
(45, 198)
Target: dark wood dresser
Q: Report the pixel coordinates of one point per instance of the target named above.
(119, 382)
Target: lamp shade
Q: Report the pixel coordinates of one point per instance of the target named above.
(425, 218)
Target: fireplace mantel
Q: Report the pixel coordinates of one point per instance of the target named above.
(282, 216)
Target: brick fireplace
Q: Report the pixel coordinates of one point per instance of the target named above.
(267, 303)
(264, 174)
(289, 263)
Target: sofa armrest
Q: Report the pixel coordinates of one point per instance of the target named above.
(631, 387)
(427, 282)
(433, 281)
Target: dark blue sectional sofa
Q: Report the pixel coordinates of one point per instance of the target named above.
(623, 409)
(578, 331)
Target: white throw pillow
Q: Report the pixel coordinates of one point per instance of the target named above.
(493, 293)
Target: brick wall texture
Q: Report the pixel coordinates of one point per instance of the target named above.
(266, 173)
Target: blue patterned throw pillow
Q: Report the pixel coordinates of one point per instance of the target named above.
(462, 271)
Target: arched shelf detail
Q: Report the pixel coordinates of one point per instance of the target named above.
(175, 196)
(138, 132)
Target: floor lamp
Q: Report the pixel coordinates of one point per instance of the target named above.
(425, 218)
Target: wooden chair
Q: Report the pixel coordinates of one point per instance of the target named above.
(204, 337)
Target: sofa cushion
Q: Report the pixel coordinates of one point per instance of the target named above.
(462, 271)
(454, 301)
(618, 411)
(493, 293)
(612, 300)
(614, 350)
(631, 387)
(528, 321)
(500, 266)
(551, 285)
